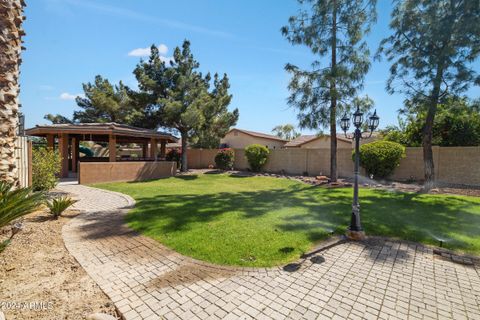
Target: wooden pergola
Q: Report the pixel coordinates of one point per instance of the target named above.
(70, 135)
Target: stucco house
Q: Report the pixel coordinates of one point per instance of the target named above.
(239, 139)
(317, 142)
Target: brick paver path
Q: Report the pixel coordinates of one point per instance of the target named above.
(370, 280)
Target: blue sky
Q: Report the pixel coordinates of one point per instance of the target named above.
(70, 41)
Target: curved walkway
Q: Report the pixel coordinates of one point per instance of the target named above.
(375, 279)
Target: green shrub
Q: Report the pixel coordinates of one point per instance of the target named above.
(224, 159)
(46, 165)
(380, 158)
(257, 156)
(174, 155)
(58, 205)
(15, 203)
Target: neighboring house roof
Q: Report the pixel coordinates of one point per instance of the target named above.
(99, 129)
(258, 134)
(301, 140)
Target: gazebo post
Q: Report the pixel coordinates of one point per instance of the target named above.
(144, 149)
(50, 141)
(63, 149)
(75, 153)
(112, 148)
(163, 145)
(153, 149)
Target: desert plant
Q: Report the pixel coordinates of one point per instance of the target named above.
(257, 156)
(46, 165)
(58, 205)
(380, 158)
(15, 203)
(224, 159)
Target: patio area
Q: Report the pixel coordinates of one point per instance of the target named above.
(374, 279)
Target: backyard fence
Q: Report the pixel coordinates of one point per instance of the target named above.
(453, 165)
(23, 161)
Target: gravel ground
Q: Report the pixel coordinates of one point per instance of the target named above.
(39, 279)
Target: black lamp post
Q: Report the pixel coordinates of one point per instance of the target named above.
(355, 230)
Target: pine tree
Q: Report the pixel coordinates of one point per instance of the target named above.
(178, 96)
(431, 50)
(104, 102)
(153, 84)
(57, 118)
(334, 31)
(218, 120)
(181, 108)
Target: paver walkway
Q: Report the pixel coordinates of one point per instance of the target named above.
(375, 279)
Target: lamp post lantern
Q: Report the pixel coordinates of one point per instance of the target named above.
(355, 231)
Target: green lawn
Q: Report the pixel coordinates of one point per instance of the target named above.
(262, 221)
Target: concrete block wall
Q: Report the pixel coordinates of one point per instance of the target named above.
(453, 165)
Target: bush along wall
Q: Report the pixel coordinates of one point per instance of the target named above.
(224, 159)
(380, 158)
(257, 156)
(46, 165)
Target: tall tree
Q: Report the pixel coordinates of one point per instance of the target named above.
(432, 49)
(11, 17)
(104, 102)
(179, 97)
(285, 131)
(153, 84)
(187, 94)
(334, 31)
(218, 120)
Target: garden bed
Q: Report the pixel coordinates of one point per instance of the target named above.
(37, 268)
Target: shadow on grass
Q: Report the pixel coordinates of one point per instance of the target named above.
(408, 216)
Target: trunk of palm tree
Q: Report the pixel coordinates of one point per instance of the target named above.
(333, 103)
(11, 32)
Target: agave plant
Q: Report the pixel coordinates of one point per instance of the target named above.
(58, 205)
(15, 203)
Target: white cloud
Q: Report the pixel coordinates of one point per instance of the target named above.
(145, 52)
(139, 52)
(69, 96)
(162, 49)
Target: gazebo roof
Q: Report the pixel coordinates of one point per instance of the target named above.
(109, 128)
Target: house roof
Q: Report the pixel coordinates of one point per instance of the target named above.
(258, 134)
(309, 138)
(99, 129)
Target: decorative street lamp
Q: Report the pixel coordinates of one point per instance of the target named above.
(355, 230)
